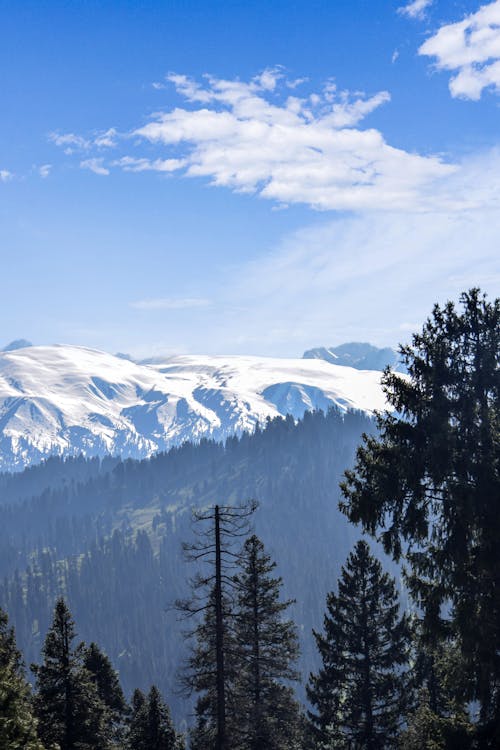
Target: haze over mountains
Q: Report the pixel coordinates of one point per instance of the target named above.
(67, 400)
(361, 356)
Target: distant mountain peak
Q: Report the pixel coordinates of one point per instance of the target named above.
(360, 355)
(67, 400)
(16, 344)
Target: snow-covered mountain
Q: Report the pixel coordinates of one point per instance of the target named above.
(69, 399)
(359, 355)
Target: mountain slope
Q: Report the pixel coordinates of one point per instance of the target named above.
(121, 589)
(66, 400)
(358, 355)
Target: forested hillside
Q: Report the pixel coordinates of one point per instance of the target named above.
(108, 535)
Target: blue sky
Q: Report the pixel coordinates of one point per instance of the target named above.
(235, 177)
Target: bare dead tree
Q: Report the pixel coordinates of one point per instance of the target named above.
(219, 533)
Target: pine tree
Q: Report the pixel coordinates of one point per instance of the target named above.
(199, 676)
(359, 693)
(208, 669)
(440, 718)
(69, 710)
(427, 730)
(430, 481)
(18, 729)
(151, 724)
(109, 689)
(137, 726)
(268, 716)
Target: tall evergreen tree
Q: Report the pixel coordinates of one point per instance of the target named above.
(137, 721)
(359, 693)
(268, 716)
(109, 689)
(208, 669)
(18, 728)
(199, 677)
(430, 481)
(151, 724)
(70, 713)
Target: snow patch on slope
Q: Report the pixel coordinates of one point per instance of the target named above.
(69, 399)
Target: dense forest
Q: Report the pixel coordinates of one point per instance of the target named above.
(108, 536)
(275, 601)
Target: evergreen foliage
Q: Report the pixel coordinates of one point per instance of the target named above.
(209, 669)
(107, 536)
(431, 481)
(359, 695)
(427, 730)
(108, 688)
(151, 726)
(18, 728)
(70, 713)
(199, 676)
(268, 716)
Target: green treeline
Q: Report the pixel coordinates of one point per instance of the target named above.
(111, 543)
(383, 673)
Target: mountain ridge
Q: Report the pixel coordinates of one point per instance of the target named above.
(65, 400)
(360, 355)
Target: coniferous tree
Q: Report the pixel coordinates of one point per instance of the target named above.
(109, 689)
(359, 694)
(18, 728)
(70, 713)
(151, 724)
(430, 482)
(199, 676)
(268, 716)
(137, 722)
(208, 669)
(427, 730)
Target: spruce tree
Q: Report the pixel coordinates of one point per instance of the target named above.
(108, 688)
(268, 716)
(18, 727)
(70, 713)
(429, 484)
(208, 669)
(199, 677)
(138, 721)
(427, 730)
(359, 693)
(151, 724)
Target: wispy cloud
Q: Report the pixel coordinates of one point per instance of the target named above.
(253, 137)
(95, 165)
(71, 142)
(351, 274)
(170, 303)
(415, 9)
(134, 164)
(471, 50)
(44, 170)
(6, 175)
(108, 139)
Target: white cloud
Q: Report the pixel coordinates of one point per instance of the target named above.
(134, 164)
(415, 9)
(471, 49)
(108, 139)
(251, 138)
(70, 142)
(170, 303)
(361, 276)
(44, 170)
(5, 175)
(95, 165)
